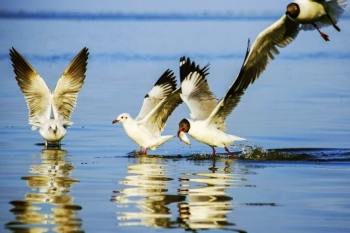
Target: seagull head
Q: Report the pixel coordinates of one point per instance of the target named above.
(184, 126)
(121, 118)
(293, 10)
(53, 128)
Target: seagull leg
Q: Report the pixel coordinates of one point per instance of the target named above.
(324, 36)
(334, 25)
(140, 151)
(230, 153)
(145, 151)
(214, 152)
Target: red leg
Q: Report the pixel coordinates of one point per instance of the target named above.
(230, 153)
(140, 151)
(145, 151)
(214, 152)
(324, 36)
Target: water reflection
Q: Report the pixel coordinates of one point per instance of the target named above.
(48, 205)
(208, 205)
(160, 195)
(146, 199)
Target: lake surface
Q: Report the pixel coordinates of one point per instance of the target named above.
(293, 172)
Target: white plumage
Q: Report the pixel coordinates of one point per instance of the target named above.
(157, 106)
(50, 112)
(313, 14)
(207, 123)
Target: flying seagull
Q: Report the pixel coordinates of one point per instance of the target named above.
(313, 14)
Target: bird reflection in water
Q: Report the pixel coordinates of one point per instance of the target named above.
(146, 200)
(48, 206)
(160, 194)
(207, 204)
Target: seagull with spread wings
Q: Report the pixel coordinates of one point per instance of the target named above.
(301, 14)
(157, 106)
(43, 104)
(207, 123)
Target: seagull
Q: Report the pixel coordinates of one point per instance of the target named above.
(50, 111)
(313, 14)
(157, 106)
(207, 123)
(282, 32)
(206, 113)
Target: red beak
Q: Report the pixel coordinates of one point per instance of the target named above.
(115, 121)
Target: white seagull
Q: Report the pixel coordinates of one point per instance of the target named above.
(42, 103)
(157, 106)
(207, 123)
(209, 114)
(313, 14)
(301, 14)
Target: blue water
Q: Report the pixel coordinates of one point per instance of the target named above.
(293, 170)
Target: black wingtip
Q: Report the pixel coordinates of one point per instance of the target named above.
(247, 53)
(83, 53)
(186, 67)
(86, 51)
(168, 78)
(12, 50)
(14, 53)
(205, 69)
(248, 46)
(20, 65)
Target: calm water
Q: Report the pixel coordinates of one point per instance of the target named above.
(297, 110)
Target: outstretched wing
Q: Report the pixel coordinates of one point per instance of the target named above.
(34, 88)
(228, 102)
(165, 85)
(280, 34)
(66, 91)
(156, 119)
(195, 91)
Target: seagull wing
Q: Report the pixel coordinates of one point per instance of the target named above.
(66, 91)
(34, 88)
(165, 85)
(195, 91)
(228, 102)
(280, 34)
(156, 119)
